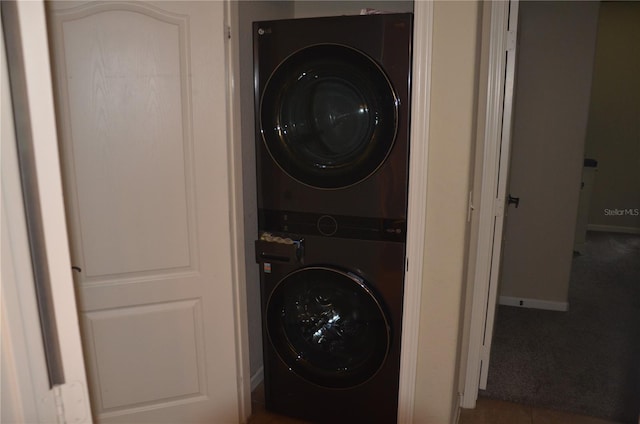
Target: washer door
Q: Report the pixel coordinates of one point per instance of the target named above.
(328, 327)
(328, 116)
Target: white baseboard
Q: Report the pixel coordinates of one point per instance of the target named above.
(257, 378)
(613, 229)
(534, 303)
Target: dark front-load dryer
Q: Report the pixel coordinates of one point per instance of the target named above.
(332, 311)
(332, 119)
(332, 115)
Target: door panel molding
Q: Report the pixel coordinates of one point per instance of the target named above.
(118, 352)
(97, 136)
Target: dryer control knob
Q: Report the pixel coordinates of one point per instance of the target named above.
(327, 225)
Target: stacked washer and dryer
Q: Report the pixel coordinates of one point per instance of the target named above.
(332, 99)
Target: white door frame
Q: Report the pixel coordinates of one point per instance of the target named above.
(417, 207)
(236, 207)
(495, 168)
(64, 395)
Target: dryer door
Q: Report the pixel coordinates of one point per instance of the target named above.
(328, 327)
(328, 116)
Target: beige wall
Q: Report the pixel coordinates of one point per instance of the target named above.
(613, 132)
(451, 138)
(556, 45)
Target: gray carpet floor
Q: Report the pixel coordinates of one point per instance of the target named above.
(586, 360)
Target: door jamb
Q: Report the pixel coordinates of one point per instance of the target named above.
(236, 213)
(68, 397)
(419, 146)
(497, 142)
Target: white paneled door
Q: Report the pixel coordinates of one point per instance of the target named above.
(141, 100)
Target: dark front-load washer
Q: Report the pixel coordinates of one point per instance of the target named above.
(332, 115)
(332, 312)
(332, 120)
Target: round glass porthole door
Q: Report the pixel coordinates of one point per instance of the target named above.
(328, 116)
(328, 327)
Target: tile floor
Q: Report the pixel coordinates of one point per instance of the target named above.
(488, 411)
